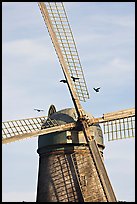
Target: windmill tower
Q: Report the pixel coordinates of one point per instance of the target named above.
(74, 136)
(65, 163)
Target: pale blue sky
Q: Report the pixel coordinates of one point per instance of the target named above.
(105, 37)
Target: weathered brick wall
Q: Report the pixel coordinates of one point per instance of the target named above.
(68, 176)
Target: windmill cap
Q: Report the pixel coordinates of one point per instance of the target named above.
(66, 116)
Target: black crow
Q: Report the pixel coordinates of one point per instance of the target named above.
(74, 78)
(63, 80)
(38, 110)
(97, 89)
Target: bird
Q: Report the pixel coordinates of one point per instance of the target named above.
(38, 110)
(74, 78)
(97, 89)
(63, 80)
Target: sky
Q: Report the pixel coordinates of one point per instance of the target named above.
(104, 33)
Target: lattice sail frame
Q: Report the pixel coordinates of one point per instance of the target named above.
(67, 45)
(120, 129)
(24, 126)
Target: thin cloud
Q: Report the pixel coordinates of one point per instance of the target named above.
(34, 49)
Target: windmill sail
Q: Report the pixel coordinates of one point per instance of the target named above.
(118, 124)
(120, 129)
(21, 129)
(57, 22)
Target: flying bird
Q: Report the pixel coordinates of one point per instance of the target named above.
(74, 78)
(63, 80)
(38, 110)
(97, 89)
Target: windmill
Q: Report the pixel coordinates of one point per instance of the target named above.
(16, 130)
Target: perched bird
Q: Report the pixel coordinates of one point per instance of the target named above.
(74, 78)
(63, 80)
(97, 89)
(38, 110)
